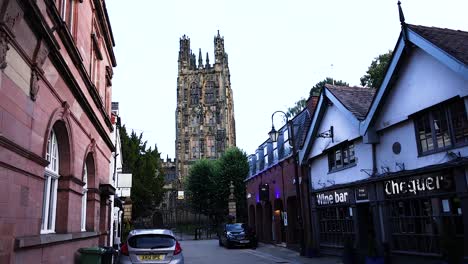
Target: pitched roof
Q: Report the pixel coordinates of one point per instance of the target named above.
(356, 99)
(454, 42)
(301, 123)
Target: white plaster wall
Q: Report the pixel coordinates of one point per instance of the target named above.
(343, 130)
(405, 134)
(423, 82)
(320, 178)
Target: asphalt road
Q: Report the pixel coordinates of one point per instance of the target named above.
(208, 251)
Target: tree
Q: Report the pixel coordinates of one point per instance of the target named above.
(201, 186)
(147, 174)
(293, 111)
(376, 71)
(317, 88)
(233, 166)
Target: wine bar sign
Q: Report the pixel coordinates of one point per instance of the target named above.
(333, 197)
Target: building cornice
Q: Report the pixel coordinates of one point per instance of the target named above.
(37, 21)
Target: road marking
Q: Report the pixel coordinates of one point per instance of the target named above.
(267, 256)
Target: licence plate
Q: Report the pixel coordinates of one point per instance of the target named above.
(150, 257)
(245, 241)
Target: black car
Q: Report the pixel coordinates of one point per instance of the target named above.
(237, 234)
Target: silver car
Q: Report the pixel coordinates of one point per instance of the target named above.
(151, 246)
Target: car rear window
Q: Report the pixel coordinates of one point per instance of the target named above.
(151, 241)
(235, 227)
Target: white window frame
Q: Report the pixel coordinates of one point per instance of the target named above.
(49, 206)
(84, 198)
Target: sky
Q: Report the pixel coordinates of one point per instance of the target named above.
(277, 51)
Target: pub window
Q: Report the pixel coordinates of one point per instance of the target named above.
(265, 154)
(341, 157)
(442, 127)
(336, 226)
(418, 225)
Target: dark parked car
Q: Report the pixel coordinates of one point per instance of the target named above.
(237, 234)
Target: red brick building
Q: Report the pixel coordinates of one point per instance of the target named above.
(274, 216)
(56, 61)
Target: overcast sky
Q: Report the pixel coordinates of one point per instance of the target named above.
(277, 51)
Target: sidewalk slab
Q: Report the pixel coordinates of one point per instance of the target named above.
(289, 256)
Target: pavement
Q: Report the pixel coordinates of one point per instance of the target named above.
(277, 253)
(285, 255)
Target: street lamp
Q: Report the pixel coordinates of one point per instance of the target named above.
(274, 137)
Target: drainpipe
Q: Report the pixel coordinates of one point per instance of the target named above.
(374, 159)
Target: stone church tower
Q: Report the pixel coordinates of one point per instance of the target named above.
(205, 125)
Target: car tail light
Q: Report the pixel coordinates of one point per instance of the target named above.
(177, 249)
(124, 249)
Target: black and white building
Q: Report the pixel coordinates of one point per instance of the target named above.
(390, 165)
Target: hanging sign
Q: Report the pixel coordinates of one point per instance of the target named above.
(419, 185)
(362, 194)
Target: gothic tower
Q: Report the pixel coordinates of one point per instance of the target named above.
(205, 125)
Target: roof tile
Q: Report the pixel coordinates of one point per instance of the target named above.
(454, 42)
(356, 99)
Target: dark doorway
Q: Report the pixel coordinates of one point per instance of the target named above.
(279, 228)
(259, 221)
(252, 216)
(267, 232)
(366, 230)
(293, 231)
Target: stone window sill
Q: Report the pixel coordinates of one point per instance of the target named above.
(42, 240)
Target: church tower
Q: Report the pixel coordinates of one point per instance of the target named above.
(205, 125)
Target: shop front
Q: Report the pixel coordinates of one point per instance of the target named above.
(333, 219)
(425, 214)
(408, 216)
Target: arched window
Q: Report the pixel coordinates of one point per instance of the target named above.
(209, 93)
(194, 94)
(49, 203)
(84, 198)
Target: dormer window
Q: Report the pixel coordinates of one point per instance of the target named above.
(341, 157)
(442, 127)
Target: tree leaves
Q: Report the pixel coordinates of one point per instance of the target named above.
(317, 88)
(209, 180)
(376, 71)
(148, 176)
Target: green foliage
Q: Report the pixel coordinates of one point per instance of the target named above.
(376, 71)
(148, 176)
(201, 186)
(233, 166)
(208, 184)
(126, 230)
(317, 88)
(293, 111)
